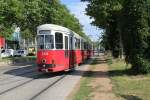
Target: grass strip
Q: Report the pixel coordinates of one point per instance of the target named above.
(126, 85)
(85, 89)
(18, 59)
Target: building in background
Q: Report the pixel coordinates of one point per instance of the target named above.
(15, 42)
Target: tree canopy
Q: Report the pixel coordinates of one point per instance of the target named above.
(28, 14)
(127, 25)
(106, 16)
(135, 32)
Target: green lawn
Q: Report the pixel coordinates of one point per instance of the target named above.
(18, 59)
(127, 86)
(85, 89)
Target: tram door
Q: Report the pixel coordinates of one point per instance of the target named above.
(66, 50)
(71, 55)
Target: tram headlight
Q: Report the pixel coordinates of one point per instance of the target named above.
(44, 61)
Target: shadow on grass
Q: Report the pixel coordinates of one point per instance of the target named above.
(127, 72)
(102, 74)
(111, 73)
(98, 61)
(130, 97)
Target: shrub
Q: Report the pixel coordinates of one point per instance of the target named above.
(141, 65)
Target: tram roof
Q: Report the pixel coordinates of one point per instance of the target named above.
(77, 35)
(57, 28)
(54, 27)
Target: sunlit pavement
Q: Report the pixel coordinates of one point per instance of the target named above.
(25, 83)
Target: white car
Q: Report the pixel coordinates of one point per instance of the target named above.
(22, 53)
(7, 52)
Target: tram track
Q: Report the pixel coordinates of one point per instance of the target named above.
(50, 83)
(6, 82)
(14, 76)
(46, 88)
(11, 72)
(39, 87)
(10, 89)
(13, 67)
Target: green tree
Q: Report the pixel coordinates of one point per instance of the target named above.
(127, 22)
(147, 52)
(28, 14)
(135, 34)
(10, 13)
(106, 15)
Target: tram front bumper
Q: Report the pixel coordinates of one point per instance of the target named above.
(50, 68)
(45, 67)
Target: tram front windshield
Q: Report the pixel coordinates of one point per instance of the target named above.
(45, 40)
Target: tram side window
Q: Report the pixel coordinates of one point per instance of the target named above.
(59, 40)
(76, 43)
(85, 47)
(79, 42)
(66, 42)
(82, 45)
(49, 42)
(71, 45)
(41, 42)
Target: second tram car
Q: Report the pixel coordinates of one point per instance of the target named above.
(59, 48)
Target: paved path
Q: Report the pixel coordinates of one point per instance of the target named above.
(25, 83)
(101, 82)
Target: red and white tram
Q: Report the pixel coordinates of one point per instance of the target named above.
(59, 48)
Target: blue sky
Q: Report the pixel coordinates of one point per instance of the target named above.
(78, 9)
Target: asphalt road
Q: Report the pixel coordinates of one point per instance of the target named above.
(25, 83)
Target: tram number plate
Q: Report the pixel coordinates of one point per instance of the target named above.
(45, 70)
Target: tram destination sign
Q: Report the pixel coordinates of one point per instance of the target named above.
(44, 32)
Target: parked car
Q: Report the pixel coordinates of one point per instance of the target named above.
(7, 52)
(22, 53)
